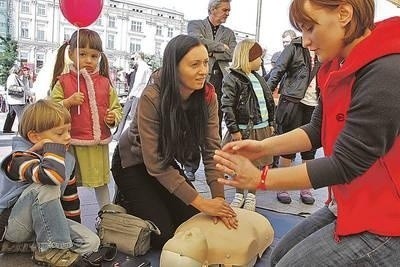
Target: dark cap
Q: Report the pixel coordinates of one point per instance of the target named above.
(255, 52)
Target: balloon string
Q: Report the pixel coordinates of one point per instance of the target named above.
(78, 70)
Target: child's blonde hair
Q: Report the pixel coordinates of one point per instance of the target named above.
(42, 115)
(240, 58)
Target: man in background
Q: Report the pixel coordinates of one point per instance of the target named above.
(295, 71)
(141, 77)
(221, 42)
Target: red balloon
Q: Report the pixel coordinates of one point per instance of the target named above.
(81, 13)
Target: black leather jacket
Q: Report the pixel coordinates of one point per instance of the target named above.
(293, 67)
(239, 101)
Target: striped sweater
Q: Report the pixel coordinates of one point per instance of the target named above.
(46, 167)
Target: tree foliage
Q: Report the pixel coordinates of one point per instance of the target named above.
(154, 61)
(8, 56)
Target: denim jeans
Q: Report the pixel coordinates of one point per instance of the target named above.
(38, 217)
(312, 243)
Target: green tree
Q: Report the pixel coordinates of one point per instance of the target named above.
(153, 61)
(8, 56)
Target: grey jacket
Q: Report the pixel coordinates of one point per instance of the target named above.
(202, 30)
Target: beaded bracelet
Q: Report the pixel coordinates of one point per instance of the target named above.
(261, 185)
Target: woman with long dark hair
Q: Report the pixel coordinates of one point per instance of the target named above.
(177, 113)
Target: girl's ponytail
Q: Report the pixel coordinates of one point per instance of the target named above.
(59, 66)
(104, 67)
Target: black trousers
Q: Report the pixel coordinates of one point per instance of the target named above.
(299, 114)
(146, 198)
(8, 123)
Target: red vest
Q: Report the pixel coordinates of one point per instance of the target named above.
(371, 202)
(88, 127)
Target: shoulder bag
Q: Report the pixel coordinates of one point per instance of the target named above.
(131, 234)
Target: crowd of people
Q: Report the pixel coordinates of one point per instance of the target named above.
(337, 91)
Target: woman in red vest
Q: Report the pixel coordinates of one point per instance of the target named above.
(357, 124)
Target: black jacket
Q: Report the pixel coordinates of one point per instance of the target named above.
(293, 67)
(239, 101)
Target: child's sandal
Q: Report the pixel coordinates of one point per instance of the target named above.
(56, 257)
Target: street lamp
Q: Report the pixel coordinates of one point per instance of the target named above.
(258, 20)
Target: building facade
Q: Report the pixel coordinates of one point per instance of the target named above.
(4, 18)
(125, 27)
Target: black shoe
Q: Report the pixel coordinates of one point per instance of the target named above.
(191, 176)
(8, 132)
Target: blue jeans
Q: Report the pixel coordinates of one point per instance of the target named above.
(38, 217)
(312, 243)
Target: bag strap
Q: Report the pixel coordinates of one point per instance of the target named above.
(111, 208)
(153, 227)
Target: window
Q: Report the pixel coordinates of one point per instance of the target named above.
(39, 61)
(135, 46)
(41, 32)
(170, 32)
(110, 41)
(23, 56)
(41, 9)
(2, 3)
(157, 48)
(111, 22)
(67, 34)
(98, 22)
(158, 30)
(24, 29)
(25, 7)
(136, 26)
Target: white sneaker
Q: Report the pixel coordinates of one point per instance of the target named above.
(250, 202)
(237, 201)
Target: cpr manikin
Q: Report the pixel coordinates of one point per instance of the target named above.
(199, 242)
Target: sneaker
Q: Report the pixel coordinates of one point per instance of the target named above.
(190, 175)
(10, 247)
(306, 197)
(250, 202)
(284, 197)
(56, 257)
(237, 201)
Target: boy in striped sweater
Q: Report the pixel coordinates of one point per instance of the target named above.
(39, 192)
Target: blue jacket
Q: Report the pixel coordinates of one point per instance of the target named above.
(11, 190)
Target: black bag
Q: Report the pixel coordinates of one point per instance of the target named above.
(16, 91)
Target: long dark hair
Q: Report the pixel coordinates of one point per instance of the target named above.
(182, 131)
(87, 38)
